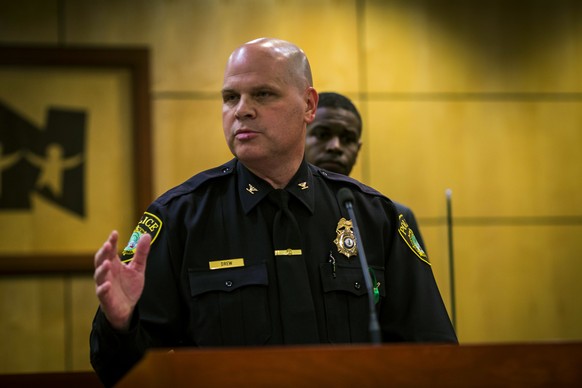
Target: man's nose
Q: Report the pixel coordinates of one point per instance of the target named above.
(334, 144)
(245, 108)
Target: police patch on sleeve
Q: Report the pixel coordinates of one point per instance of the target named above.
(408, 236)
(149, 223)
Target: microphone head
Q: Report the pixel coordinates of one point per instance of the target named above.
(344, 195)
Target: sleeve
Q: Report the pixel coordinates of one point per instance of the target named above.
(413, 310)
(113, 353)
(156, 321)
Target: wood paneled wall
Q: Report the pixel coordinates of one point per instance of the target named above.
(484, 98)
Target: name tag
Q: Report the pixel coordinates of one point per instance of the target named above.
(227, 263)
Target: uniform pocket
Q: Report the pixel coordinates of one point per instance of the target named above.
(346, 302)
(230, 306)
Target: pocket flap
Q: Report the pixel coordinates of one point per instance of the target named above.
(348, 279)
(227, 279)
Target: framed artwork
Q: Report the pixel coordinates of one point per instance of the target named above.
(75, 153)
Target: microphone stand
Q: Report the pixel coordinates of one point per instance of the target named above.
(374, 327)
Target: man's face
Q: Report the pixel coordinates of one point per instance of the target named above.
(264, 109)
(333, 140)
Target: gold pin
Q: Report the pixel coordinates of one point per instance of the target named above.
(303, 185)
(252, 189)
(287, 252)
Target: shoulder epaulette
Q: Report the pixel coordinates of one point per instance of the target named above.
(332, 176)
(198, 180)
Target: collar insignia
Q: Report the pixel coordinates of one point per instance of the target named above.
(345, 240)
(408, 236)
(252, 189)
(303, 185)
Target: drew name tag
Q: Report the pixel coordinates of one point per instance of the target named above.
(227, 263)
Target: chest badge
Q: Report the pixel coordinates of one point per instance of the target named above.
(345, 240)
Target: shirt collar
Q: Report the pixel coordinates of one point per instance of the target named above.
(253, 189)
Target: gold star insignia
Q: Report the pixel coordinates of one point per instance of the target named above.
(252, 189)
(303, 185)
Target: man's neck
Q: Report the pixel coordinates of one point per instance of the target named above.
(277, 174)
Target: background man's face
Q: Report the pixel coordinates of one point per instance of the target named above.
(333, 140)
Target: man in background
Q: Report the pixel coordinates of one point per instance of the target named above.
(334, 139)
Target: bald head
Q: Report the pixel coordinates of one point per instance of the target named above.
(283, 53)
(267, 102)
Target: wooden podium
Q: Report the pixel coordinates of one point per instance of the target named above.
(507, 365)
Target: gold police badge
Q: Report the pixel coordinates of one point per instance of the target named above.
(345, 240)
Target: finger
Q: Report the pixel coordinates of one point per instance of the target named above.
(102, 290)
(102, 272)
(113, 237)
(108, 250)
(141, 253)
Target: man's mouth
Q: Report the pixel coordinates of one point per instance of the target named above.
(244, 134)
(332, 165)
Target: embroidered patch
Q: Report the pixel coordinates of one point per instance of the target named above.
(345, 240)
(149, 223)
(408, 236)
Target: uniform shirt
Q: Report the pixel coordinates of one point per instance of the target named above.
(222, 216)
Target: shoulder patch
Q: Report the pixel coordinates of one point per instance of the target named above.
(408, 236)
(150, 224)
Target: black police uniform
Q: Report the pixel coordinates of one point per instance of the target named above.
(220, 218)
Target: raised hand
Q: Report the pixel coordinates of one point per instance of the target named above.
(119, 286)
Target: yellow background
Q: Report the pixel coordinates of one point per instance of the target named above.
(483, 98)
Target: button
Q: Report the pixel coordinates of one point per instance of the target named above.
(228, 283)
(225, 170)
(357, 285)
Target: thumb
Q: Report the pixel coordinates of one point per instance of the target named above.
(141, 253)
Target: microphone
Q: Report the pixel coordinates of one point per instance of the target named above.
(346, 199)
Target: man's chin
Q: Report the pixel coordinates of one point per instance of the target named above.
(333, 167)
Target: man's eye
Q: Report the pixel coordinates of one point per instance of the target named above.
(264, 94)
(322, 135)
(348, 139)
(228, 98)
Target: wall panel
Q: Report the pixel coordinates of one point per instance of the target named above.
(518, 283)
(425, 46)
(32, 311)
(191, 40)
(30, 21)
(500, 158)
(83, 305)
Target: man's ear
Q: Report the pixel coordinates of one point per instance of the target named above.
(311, 100)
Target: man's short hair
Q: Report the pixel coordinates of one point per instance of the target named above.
(338, 101)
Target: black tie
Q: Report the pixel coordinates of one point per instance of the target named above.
(296, 301)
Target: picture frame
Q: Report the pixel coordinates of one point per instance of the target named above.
(116, 185)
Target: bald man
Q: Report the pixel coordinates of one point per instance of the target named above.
(259, 251)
